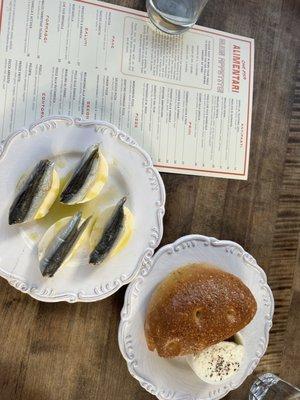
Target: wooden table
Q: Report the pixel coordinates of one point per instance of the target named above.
(70, 352)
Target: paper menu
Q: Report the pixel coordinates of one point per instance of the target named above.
(185, 99)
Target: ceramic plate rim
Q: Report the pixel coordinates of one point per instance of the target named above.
(126, 347)
(50, 123)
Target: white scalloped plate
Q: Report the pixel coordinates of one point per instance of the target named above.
(131, 172)
(173, 379)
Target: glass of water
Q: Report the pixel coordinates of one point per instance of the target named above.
(270, 387)
(174, 16)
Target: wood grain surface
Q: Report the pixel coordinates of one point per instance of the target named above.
(70, 351)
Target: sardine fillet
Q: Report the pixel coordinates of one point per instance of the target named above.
(32, 193)
(83, 177)
(59, 249)
(110, 234)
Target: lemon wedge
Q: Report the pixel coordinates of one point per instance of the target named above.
(124, 236)
(52, 232)
(100, 181)
(50, 197)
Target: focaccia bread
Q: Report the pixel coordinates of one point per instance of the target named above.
(194, 307)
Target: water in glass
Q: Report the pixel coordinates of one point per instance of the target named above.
(173, 16)
(270, 387)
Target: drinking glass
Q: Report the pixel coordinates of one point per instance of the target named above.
(270, 387)
(174, 16)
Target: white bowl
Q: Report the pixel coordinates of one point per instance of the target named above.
(131, 173)
(173, 378)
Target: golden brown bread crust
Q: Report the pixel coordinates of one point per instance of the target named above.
(195, 307)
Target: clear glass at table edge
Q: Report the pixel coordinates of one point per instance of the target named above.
(271, 387)
(174, 16)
